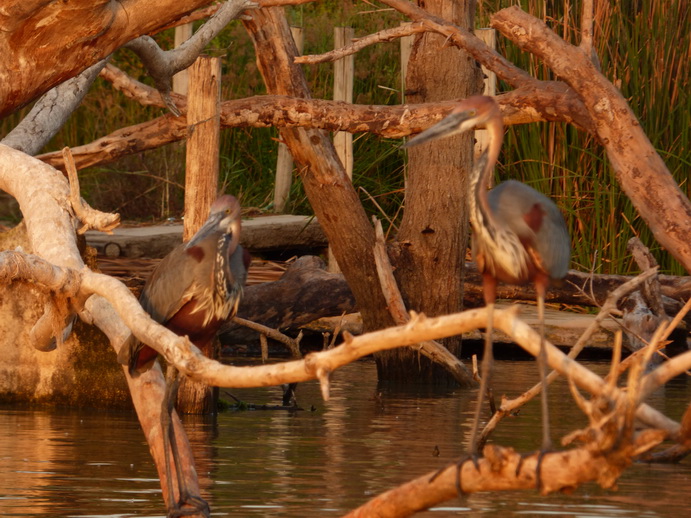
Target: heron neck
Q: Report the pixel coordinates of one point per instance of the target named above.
(481, 216)
(227, 244)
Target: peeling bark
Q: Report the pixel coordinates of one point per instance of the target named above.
(328, 188)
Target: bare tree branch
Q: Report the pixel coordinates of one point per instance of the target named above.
(91, 218)
(162, 65)
(553, 101)
(640, 171)
(508, 406)
(50, 112)
(188, 359)
(360, 43)
(394, 302)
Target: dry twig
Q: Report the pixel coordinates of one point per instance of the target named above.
(91, 218)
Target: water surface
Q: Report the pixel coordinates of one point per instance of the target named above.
(322, 461)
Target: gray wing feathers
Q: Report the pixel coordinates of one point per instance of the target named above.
(510, 201)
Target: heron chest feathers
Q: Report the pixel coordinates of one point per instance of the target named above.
(218, 292)
(501, 254)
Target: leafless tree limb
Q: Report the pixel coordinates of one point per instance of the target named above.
(508, 406)
(50, 112)
(394, 300)
(360, 43)
(91, 218)
(162, 65)
(655, 194)
(293, 344)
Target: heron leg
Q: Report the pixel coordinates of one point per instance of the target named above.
(186, 503)
(485, 373)
(541, 287)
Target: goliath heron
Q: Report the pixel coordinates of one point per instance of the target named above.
(192, 291)
(519, 235)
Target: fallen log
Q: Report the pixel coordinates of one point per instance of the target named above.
(306, 292)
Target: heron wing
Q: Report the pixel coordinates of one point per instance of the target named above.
(537, 222)
(170, 285)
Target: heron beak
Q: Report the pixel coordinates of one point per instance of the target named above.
(210, 225)
(453, 124)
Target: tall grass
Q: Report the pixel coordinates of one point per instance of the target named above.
(644, 47)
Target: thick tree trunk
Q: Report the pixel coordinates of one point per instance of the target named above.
(432, 241)
(201, 189)
(329, 190)
(39, 49)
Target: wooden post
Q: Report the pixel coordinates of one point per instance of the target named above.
(343, 91)
(201, 185)
(406, 49)
(180, 83)
(489, 36)
(203, 131)
(181, 79)
(284, 163)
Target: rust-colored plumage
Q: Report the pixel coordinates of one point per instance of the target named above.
(519, 235)
(197, 286)
(192, 291)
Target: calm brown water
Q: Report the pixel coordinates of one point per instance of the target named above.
(312, 463)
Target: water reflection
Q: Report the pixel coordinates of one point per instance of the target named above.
(365, 440)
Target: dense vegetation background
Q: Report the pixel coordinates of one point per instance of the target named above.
(644, 47)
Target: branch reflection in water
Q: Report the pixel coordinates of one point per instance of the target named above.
(311, 463)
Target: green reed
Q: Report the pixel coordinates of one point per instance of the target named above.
(644, 48)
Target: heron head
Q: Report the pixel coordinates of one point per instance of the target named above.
(470, 113)
(226, 209)
(224, 217)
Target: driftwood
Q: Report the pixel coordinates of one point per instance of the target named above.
(305, 292)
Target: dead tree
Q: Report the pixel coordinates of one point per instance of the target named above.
(85, 34)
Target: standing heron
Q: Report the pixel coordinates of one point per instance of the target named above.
(192, 292)
(519, 236)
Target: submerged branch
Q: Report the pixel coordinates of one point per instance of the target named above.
(394, 301)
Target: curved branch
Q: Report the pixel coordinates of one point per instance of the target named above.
(503, 469)
(189, 360)
(46, 199)
(163, 64)
(507, 407)
(90, 217)
(553, 101)
(360, 43)
(572, 111)
(640, 171)
(50, 112)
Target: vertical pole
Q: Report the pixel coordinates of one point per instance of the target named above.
(181, 79)
(180, 83)
(203, 137)
(201, 185)
(284, 163)
(406, 49)
(343, 91)
(489, 36)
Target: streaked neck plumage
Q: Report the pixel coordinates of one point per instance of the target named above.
(480, 214)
